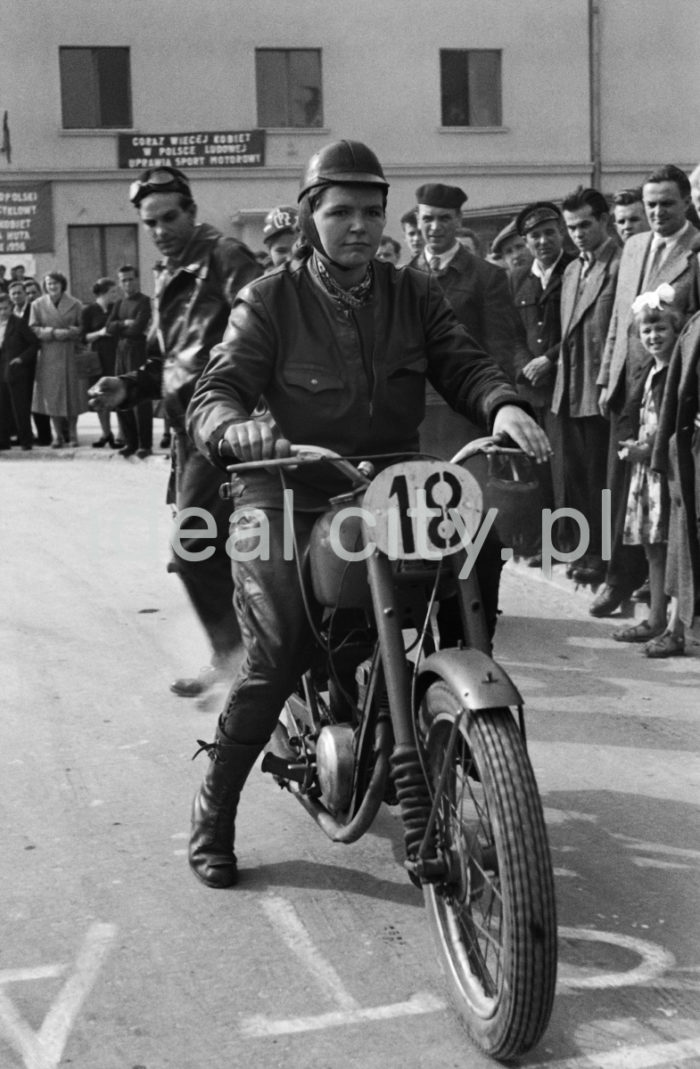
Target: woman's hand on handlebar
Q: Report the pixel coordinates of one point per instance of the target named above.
(253, 439)
(525, 432)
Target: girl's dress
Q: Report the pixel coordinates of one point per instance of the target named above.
(646, 518)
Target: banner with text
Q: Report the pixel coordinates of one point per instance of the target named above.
(26, 217)
(235, 148)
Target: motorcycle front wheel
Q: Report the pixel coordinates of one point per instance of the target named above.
(493, 915)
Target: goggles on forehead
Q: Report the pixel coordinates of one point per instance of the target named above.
(159, 181)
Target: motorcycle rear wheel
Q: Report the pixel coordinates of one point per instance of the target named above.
(493, 917)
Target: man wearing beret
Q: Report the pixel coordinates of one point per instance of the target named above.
(511, 248)
(479, 295)
(536, 291)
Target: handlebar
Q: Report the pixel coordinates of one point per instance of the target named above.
(486, 446)
(312, 454)
(300, 455)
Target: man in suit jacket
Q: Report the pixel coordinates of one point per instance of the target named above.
(667, 253)
(588, 291)
(536, 290)
(18, 349)
(479, 295)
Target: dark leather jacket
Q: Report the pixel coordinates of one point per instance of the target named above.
(190, 310)
(352, 381)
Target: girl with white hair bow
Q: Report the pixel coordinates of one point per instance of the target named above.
(647, 518)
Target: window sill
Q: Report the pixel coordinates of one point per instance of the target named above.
(473, 129)
(100, 131)
(291, 130)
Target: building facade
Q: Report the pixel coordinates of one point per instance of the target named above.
(514, 100)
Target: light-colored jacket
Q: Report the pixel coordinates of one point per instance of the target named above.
(584, 328)
(680, 270)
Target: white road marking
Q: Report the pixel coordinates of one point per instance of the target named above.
(285, 919)
(658, 863)
(44, 1049)
(656, 960)
(658, 848)
(565, 872)
(259, 1026)
(41, 972)
(654, 1056)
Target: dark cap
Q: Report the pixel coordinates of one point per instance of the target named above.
(510, 231)
(542, 211)
(436, 195)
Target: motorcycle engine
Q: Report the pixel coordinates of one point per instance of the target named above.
(334, 766)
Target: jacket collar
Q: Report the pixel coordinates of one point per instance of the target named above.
(197, 250)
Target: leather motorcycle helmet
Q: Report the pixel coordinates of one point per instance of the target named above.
(344, 163)
(280, 220)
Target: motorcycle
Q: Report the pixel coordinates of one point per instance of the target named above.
(391, 712)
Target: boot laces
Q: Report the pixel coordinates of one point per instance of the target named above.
(211, 749)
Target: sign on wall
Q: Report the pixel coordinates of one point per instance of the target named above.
(26, 217)
(233, 148)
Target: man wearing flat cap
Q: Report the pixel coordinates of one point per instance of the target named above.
(536, 294)
(478, 293)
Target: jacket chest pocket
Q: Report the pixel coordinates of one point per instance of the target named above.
(317, 382)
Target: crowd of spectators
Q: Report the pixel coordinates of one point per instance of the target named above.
(60, 350)
(589, 303)
(601, 337)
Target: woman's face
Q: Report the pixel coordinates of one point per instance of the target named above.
(53, 288)
(350, 221)
(658, 336)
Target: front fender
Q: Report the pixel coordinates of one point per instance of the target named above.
(472, 675)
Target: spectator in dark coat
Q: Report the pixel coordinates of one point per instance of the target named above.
(478, 293)
(18, 348)
(536, 293)
(128, 322)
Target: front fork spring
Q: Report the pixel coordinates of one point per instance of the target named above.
(413, 795)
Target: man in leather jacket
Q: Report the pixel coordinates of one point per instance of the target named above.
(340, 347)
(195, 284)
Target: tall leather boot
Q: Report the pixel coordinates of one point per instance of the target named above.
(214, 808)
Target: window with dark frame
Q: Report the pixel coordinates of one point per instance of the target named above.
(288, 84)
(95, 88)
(470, 87)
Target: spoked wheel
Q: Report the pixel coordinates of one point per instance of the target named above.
(493, 916)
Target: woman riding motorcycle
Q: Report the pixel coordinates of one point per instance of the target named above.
(340, 347)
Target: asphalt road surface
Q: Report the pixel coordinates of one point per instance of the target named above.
(113, 956)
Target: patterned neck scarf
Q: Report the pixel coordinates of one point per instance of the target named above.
(356, 296)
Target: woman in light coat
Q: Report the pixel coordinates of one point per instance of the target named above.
(55, 318)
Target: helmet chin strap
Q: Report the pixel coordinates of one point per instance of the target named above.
(307, 226)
